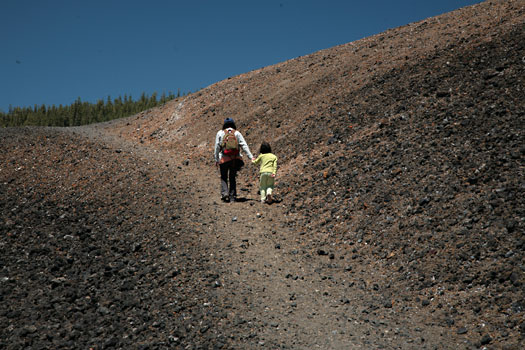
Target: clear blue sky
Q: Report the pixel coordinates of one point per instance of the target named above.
(54, 51)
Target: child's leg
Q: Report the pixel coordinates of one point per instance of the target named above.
(262, 187)
(263, 196)
(269, 189)
(270, 184)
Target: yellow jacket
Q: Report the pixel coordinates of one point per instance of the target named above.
(268, 163)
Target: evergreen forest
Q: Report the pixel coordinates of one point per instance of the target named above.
(81, 113)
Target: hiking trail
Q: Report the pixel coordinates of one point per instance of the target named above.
(273, 292)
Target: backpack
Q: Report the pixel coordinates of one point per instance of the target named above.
(229, 144)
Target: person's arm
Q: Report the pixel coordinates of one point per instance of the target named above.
(244, 145)
(274, 168)
(217, 150)
(256, 161)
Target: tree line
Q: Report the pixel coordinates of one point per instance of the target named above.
(82, 113)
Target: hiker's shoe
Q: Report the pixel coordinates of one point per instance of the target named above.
(225, 199)
(269, 199)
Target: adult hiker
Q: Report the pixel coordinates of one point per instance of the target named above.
(228, 145)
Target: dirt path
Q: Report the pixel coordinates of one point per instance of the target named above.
(292, 298)
(266, 285)
(272, 291)
(281, 295)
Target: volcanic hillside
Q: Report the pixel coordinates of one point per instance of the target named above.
(403, 150)
(400, 187)
(406, 146)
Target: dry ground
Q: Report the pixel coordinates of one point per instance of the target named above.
(400, 223)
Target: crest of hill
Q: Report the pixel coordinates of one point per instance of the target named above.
(277, 100)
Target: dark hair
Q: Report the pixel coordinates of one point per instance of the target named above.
(265, 148)
(229, 124)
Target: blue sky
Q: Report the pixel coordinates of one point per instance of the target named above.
(54, 51)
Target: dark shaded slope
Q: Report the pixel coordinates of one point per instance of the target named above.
(95, 250)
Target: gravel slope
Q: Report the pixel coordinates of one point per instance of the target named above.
(400, 223)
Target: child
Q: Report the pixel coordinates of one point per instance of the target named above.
(268, 170)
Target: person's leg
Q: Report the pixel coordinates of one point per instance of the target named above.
(224, 181)
(262, 188)
(269, 188)
(233, 182)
